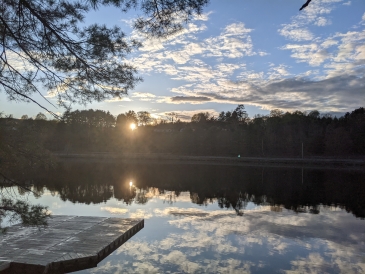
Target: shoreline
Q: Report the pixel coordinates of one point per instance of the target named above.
(214, 160)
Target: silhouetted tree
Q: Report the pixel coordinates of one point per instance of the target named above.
(144, 117)
(200, 117)
(40, 116)
(124, 120)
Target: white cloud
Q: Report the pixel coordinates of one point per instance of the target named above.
(314, 14)
(278, 72)
(321, 22)
(140, 214)
(143, 96)
(296, 33)
(215, 69)
(227, 238)
(233, 42)
(122, 99)
(203, 16)
(313, 53)
(114, 210)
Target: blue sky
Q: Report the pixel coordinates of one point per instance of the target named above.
(265, 54)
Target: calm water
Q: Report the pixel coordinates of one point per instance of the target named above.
(214, 219)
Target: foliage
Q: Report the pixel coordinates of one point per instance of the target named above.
(21, 211)
(124, 120)
(40, 116)
(45, 45)
(22, 149)
(144, 117)
(237, 115)
(89, 118)
(280, 134)
(22, 143)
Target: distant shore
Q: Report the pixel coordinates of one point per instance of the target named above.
(213, 160)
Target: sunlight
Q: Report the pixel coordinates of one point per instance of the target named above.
(133, 126)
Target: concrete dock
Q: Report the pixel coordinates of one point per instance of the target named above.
(67, 244)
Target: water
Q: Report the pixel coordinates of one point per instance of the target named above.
(218, 219)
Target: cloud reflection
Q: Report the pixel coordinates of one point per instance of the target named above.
(218, 241)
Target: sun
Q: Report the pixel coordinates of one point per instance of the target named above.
(133, 126)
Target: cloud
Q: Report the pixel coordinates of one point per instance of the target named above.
(216, 69)
(233, 42)
(338, 93)
(143, 96)
(203, 16)
(296, 33)
(116, 99)
(314, 15)
(313, 54)
(114, 210)
(185, 115)
(321, 22)
(18, 60)
(190, 99)
(140, 214)
(219, 241)
(337, 54)
(278, 72)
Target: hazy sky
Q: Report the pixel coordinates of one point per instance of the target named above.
(264, 54)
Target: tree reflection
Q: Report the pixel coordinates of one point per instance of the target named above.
(232, 187)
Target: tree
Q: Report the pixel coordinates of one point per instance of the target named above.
(276, 113)
(72, 62)
(126, 119)
(314, 114)
(40, 116)
(24, 117)
(240, 113)
(171, 116)
(77, 63)
(18, 210)
(144, 117)
(200, 117)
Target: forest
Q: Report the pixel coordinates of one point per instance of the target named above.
(232, 133)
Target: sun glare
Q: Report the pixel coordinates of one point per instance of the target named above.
(133, 126)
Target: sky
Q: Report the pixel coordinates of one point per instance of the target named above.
(265, 54)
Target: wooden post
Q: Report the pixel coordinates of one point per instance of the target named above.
(302, 150)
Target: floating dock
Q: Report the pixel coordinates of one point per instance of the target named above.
(67, 244)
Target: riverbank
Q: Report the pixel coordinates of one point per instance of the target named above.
(213, 160)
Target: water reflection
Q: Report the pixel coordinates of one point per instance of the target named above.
(231, 187)
(203, 219)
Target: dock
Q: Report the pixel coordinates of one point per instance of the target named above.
(67, 244)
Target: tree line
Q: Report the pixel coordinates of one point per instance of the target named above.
(231, 133)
